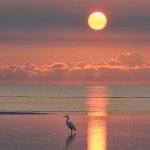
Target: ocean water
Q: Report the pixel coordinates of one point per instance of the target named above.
(82, 99)
(106, 118)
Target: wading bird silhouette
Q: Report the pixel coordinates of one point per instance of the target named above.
(70, 124)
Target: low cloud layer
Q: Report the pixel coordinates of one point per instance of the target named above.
(124, 69)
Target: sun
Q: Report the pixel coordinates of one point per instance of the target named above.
(97, 20)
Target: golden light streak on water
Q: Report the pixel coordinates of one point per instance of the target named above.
(97, 133)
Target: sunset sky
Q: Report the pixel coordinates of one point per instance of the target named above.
(50, 42)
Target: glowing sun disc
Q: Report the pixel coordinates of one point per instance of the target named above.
(97, 21)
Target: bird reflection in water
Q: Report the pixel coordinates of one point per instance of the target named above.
(69, 140)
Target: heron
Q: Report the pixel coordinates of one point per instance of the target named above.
(70, 124)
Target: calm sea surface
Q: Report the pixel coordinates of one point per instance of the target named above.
(56, 99)
(107, 118)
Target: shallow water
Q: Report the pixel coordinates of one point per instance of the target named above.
(106, 118)
(49, 132)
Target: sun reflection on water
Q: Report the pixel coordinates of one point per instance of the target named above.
(97, 134)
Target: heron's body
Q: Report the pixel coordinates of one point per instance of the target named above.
(70, 124)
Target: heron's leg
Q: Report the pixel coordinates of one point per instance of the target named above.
(71, 132)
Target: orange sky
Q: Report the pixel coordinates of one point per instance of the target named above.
(44, 47)
(47, 32)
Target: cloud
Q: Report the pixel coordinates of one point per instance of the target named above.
(58, 66)
(131, 59)
(123, 69)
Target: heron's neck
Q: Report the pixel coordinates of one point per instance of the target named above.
(67, 119)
